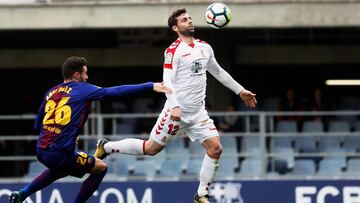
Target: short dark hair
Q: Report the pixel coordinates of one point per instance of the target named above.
(71, 65)
(172, 19)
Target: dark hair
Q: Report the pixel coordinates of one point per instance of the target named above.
(172, 19)
(71, 65)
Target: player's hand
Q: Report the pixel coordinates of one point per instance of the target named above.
(249, 98)
(159, 87)
(175, 114)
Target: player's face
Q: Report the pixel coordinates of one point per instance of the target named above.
(184, 25)
(84, 76)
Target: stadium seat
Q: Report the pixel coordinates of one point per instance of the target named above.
(196, 149)
(338, 154)
(158, 159)
(352, 143)
(145, 169)
(251, 145)
(284, 127)
(307, 143)
(129, 160)
(176, 145)
(283, 155)
(304, 168)
(229, 145)
(333, 141)
(227, 167)
(329, 167)
(353, 167)
(251, 167)
(170, 169)
(35, 168)
(120, 168)
(193, 168)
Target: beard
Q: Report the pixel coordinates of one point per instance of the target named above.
(188, 32)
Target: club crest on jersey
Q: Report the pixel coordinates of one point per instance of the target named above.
(196, 67)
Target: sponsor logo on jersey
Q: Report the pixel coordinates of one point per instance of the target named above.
(185, 55)
(196, 67)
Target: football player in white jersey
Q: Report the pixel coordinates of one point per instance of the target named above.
(186, 62)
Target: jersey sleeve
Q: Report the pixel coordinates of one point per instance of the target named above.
(92, 92)
(221, 75)
(169, 75)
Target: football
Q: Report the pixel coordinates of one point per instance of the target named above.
(217, 15)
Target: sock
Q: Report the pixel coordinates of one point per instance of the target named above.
(44, 179)
(130, 146)
(207, 174)
(89, 186)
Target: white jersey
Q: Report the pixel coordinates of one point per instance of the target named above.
(185, 69)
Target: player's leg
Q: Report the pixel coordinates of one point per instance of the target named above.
(205, 131)
(208, 169)
(50, 159)
(44, 179)
(159, 136)
(97, 169)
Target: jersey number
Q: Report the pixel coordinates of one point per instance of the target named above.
(62, 112)
(173, 129)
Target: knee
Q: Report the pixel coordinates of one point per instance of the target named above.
(151, 151)
(215, 151)
(100, 166)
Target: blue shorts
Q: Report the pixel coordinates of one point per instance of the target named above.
(73, 163)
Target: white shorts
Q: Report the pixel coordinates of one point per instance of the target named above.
(199, 127)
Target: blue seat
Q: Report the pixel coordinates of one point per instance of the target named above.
(284, 127)
(193, 167)
(334, 141)
(171, 169)
(304, 168)
(145, 169)
(352, 143)
(35, 168)
(330, 167)
(158, 159)
(196, 149)
(227, 166)
(307, 143)
(250, 167)
(353, 167)
(229, 145)
(119, 167)
(338, 154)
(176, 145)
(283, 155)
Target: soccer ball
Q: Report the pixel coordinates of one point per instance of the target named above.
(218, 15)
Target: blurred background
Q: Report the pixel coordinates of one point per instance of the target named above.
(305, 129)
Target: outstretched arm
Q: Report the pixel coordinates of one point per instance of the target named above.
(225, 78)
(96, 93)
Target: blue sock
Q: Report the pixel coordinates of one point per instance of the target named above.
(89, 186)
(44, 179)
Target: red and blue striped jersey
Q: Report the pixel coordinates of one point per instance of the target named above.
(66, 107)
